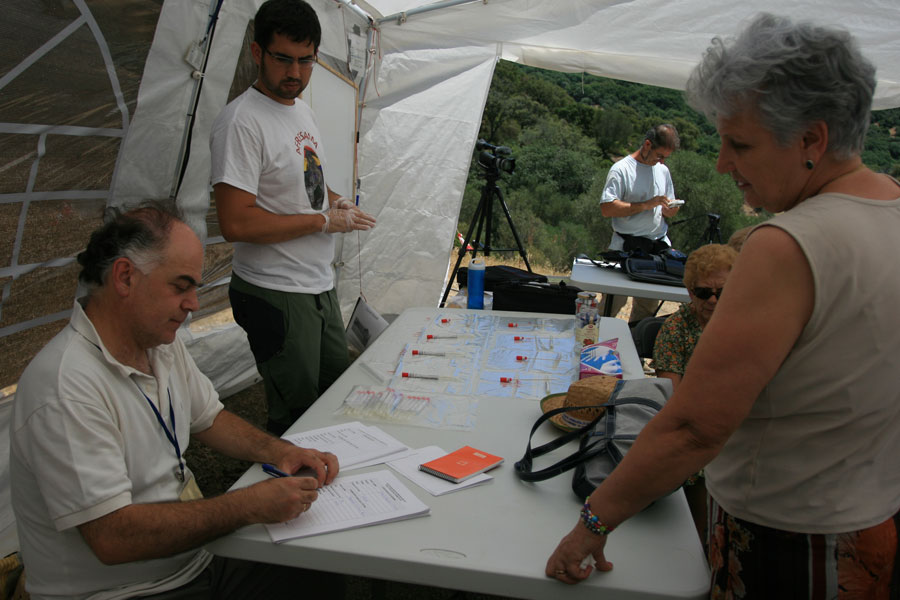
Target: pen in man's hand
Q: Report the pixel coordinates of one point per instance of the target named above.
(273, 471)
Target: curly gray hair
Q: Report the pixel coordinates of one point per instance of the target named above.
(793, 74)
(141, 235)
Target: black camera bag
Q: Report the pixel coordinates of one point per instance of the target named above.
(499, 275)
(655, 269)
(665, 267)
(534, 296)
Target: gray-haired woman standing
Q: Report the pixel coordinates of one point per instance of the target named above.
(790, 400)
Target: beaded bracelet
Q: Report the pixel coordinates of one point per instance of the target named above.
(591, 521)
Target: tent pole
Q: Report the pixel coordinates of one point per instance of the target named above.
(198, 61)
(401, 17)
(359, 11)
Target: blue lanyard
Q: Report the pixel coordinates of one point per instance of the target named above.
(171, 435)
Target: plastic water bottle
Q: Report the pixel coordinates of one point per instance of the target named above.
(475, 284)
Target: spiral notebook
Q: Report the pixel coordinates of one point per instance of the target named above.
(461, 464)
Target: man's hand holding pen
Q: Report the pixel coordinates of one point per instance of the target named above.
(287, 496)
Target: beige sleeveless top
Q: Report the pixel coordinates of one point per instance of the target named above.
(820, 450)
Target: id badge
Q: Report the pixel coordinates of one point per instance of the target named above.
(190, 491)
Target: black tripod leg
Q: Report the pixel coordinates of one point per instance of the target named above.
(713, 236)
(479, 210)
(487, 218)
(513, 227)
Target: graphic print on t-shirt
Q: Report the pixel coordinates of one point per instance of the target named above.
(313, 178)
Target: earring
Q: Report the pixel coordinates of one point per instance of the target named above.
(810, 165)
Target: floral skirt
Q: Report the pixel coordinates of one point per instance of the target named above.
(749, 561)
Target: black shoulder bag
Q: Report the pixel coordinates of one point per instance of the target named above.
(604, 441)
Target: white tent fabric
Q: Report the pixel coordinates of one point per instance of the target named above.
(423, 93)
(648, 41)
(419, 94)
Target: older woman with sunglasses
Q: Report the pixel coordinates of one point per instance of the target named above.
(705, 273)
(790, 400)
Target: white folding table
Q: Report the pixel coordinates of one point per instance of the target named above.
(612, 281)
(493, 538)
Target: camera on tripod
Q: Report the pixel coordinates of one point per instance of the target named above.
(500, 160)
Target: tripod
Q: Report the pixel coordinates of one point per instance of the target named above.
(712, 235)
(483, 219)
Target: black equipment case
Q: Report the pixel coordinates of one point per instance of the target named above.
(534, 296)
(498, 275)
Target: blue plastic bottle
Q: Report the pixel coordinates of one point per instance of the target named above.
(475, 284)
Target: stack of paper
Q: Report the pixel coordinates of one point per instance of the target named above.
(355, 445)
(350, 502)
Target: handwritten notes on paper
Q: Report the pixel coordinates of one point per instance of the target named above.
(350, 502)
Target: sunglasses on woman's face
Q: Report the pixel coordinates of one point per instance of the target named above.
(705, 293)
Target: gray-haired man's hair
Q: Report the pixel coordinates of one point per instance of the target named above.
(140, 235)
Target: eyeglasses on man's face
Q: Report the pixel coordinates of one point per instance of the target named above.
(705, 293)
(287, 61)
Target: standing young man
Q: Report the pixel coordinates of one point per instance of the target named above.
(637, 196)
(269, 177)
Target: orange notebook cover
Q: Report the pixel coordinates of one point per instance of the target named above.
(461, 464)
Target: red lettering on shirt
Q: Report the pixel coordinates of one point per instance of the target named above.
(299, 140)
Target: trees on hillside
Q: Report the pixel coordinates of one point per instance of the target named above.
(565, 130)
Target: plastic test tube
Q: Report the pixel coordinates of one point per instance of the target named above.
(419, 376)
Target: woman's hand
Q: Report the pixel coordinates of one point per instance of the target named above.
(565, 562)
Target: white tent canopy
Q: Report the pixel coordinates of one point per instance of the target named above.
(426, 89)
(422, 71)
(418, 131)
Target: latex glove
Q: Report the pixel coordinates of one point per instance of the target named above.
(344, 203)
(342, 220)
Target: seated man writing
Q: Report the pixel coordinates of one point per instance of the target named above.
(106, 506)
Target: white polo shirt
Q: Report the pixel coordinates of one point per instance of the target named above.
(84, 443)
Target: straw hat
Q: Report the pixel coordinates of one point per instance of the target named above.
(590, 391)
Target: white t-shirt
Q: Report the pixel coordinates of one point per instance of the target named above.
(84, 443)
(631, 181)
(275, 152)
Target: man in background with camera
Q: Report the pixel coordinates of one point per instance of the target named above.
(268, 173)
(638, 197)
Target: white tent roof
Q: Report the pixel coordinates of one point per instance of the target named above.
(433, 76)
(655, 42)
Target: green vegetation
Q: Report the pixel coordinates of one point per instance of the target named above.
(566, 130)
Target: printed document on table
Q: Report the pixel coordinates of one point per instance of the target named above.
(408, 466)
(350, 502)
(352, 443)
